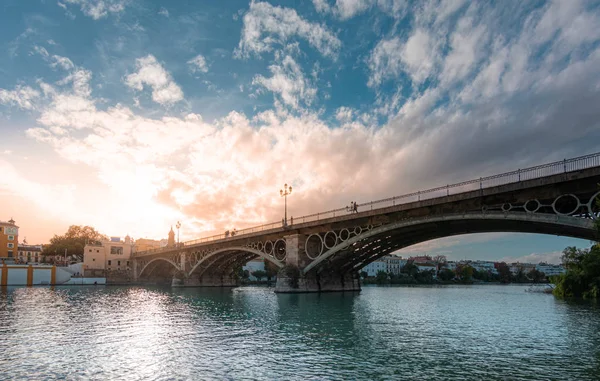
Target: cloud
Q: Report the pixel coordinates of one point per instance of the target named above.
(150, 72)
(347, 9)
(554, 257)
(55, 60)
(198, 63)
(21, 96)
(475, 90)
(97, 9)
(321, 6)
(417, 57)
(289, 83)
(266, 26)
(163, 12)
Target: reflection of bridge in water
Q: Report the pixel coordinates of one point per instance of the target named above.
(324, 251)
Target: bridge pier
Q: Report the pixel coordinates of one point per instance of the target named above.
(291, 278)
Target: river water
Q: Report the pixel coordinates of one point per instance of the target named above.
(382, 333)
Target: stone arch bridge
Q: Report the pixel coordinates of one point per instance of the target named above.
(325, 251)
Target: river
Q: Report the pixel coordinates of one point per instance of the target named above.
(487, 332)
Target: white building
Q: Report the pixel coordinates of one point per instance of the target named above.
(484, 266)
(388, 264)
(549, 269)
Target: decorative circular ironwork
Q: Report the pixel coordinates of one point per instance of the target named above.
(569, 204)
(260, 246)
(592, 206)
(344, 235)
(279, 250)
(532, 206)
(330, 239)
(506, 207)
(268, 248)
(357, 230)
(314, 246)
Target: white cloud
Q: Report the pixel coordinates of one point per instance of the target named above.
(344, 114)
(289, 83)
(322, 6)
(266, 25)
(466, 50)
(150, 72)
(55, 60)
(63, 62)
(163, 12)
(97, 9)
(347, 9)
(418, 57)
(21, 96)
(198, 63)
(551, 257)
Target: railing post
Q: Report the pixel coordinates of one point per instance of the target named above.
(448, 190)
(480, 183)
(419, 195)
(519, 174)
(565, 165)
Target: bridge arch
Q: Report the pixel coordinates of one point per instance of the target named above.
(158, 259)
(240, 249)
(406, 232)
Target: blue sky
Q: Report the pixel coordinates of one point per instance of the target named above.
(129, 115)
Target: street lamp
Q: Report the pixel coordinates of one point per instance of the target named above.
(284, 193)
(178, 226)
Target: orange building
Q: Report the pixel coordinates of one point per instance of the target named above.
(9, 239)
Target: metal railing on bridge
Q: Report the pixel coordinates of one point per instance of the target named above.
(558, 167)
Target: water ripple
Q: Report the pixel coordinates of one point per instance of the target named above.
(389, 333)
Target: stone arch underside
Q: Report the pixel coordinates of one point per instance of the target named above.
(224, 262)
(383, 240)
(156, 264)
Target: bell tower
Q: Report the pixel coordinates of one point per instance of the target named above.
(171, 241)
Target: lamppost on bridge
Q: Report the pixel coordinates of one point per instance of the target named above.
(284, 193)
(178, 226)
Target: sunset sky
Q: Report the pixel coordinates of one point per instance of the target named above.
(129, 115)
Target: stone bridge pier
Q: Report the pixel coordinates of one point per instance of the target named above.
(292, 278)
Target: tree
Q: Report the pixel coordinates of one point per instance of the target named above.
(446, 274)
(410, 269)
(259, 274)
(381, 277)
(536, 276)
(364, 274)
(74, 241)
(464, 272)
(582, 278)
(504, 272)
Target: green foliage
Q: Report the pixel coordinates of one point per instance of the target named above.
(73, 241)
(381, 277)
(504, 272)
(536, 276)
(464, 272)
(446, 274)
(364, 274)
(259, 274)
(582, 278)
(410, 269)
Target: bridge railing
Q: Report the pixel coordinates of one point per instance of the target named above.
(558, 167)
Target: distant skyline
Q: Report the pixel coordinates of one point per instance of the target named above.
(131, 115)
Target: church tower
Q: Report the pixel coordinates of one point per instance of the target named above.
(171, 241)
